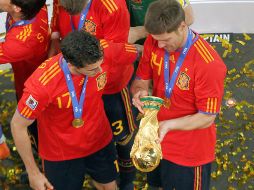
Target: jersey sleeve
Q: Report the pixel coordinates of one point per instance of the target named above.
(145, 71)
(35, 97)
(209, 81)
(15, 47)
(119, 53)
(116, 20)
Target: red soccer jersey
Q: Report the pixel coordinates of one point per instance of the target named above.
(25, 47)
(121, 56)
(106, 19)
(198, 88)
(46, 97)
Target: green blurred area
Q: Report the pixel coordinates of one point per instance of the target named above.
(234, 165)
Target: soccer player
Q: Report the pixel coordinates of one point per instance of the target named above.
(109, 20)
(65, 95)
(181, 66)
(26, 41)
(138, 8)
(106, 19)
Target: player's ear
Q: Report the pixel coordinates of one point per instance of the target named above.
(182, 26)
(16, 8)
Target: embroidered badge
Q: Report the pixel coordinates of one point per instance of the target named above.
(90, 27)
(31, 102)
(183, 81)
(101, 81)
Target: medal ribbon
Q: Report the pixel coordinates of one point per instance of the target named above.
(169, 83)
(77, 106)
(8, 27)
(83, 15)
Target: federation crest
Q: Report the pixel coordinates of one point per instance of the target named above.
(90, 27)
(183, 81)
(31, 102)
(101, 81)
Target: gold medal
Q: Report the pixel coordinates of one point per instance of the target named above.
(167, 102)
(78, 122)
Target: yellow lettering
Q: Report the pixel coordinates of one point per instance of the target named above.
(154, 62)
(43, 65)
(117, 166)
(59, 100)
(119, 127)
(40, 37)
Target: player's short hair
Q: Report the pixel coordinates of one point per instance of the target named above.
(73, 6)
(80, 48)
(164, 16)
(29, 8)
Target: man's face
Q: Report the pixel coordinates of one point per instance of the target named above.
(170, 41)
(5, 5)
(90, 70)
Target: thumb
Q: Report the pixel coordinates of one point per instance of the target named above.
(162, 132)
(48, 185)
(143, 93)
(161, 136)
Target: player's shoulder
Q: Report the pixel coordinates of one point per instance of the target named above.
(207, 59)
(49, 71)
(205, 51)
(111, 6)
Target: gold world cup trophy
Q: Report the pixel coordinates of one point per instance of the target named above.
(146, 150)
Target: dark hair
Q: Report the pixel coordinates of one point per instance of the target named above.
(29, 8)
(73, 6)
(80, 48)
(164, 16)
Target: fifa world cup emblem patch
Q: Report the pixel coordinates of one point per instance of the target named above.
(183, 81)
(90, 27)
(101, 81)
(31, 102)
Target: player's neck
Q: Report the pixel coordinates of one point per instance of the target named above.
(185, 37)
(72, 70)
(16, 16)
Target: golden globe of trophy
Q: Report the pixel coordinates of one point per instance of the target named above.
(146, 150)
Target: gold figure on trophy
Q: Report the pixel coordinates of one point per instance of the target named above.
(146, 151)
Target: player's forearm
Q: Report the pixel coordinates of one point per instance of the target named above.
(190, 122)
(141, 32)
(24, 148)
(139, 85)
(54, 47)
(136, 33)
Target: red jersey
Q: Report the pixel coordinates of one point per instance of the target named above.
(106, 19)
(121, 56)
(47, 99)
(25, 47)
(197, 89)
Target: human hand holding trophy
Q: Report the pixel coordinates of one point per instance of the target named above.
(146, 150)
